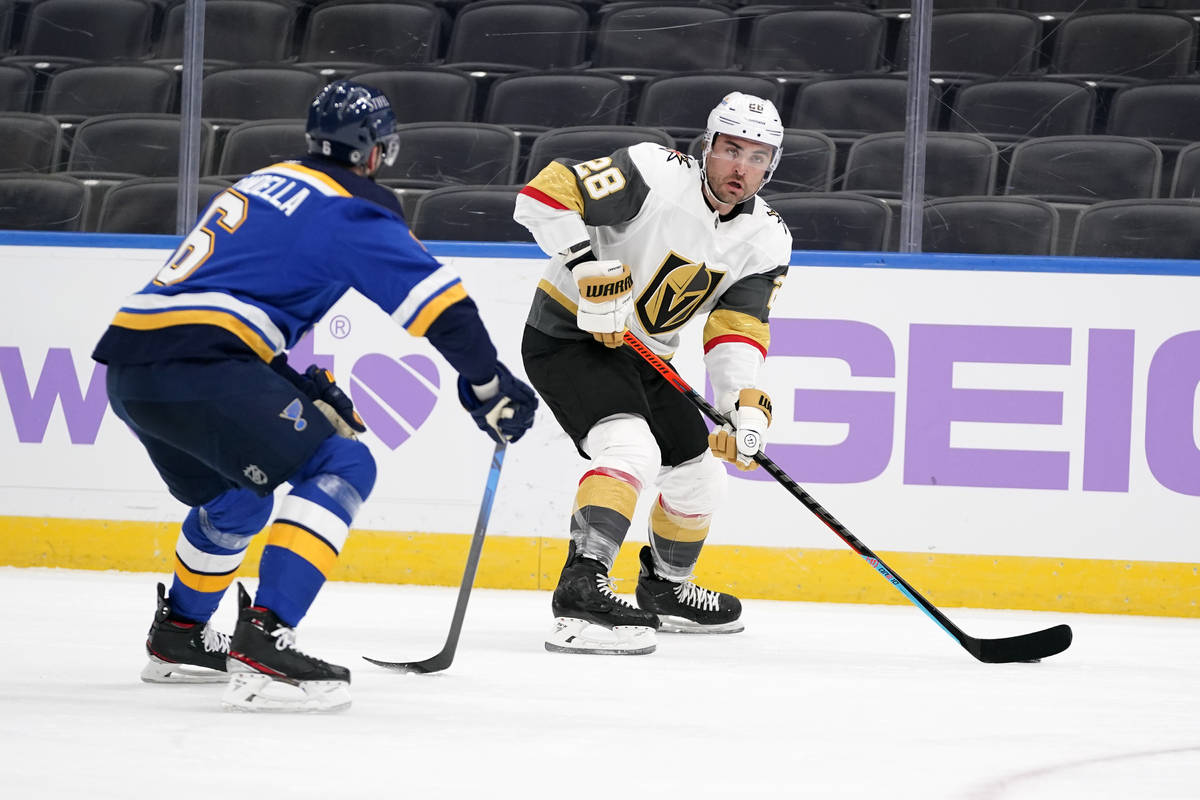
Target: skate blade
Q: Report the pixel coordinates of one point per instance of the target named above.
(572, 635)
(157, 671)
(669, 624)
(254, 691)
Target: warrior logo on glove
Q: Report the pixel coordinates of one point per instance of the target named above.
(741, 440)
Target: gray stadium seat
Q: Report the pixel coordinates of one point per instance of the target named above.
(955, 164)
(838, 40)
(665, 38)
(999, 42)
(680, 103)
(42, 203)
(148, 205)
(93, 30)
(90, 90)
(436, 154)
(469, 213)
(235, 31)
(132, 145)
(446, 94)
(556, 99)
(1011, 109)
(1139, 229)
(260, 143)
(1140, 43)
(1085, 169)
(361, 32)
(267, 92)
(32, 142)
(509, 35)
(1012, 226)
(835, 220)
(16, 87)
(586, 142)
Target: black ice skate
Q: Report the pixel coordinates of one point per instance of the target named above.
(268, 673)
(591, 618)
(684, 607)
(181, 651)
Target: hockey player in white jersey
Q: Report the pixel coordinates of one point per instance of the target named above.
(197, 368)
(648, 239)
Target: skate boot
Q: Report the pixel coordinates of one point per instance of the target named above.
(684, 607)
(182, 651)
(591, 618)
(268, 673)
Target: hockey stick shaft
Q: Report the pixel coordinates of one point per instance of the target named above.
(444, 658)
(1020, 648)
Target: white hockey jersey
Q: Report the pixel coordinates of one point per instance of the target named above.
(644, 206)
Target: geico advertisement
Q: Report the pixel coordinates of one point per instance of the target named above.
(1009, 413)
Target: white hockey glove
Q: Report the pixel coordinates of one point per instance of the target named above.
(740, 443)
(605, 299)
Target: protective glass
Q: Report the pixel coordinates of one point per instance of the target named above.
(752, 157)
(391, 148)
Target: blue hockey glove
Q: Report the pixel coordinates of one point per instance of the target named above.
(502, 408)
(329, 397)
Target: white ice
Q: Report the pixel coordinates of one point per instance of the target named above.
(811, 701)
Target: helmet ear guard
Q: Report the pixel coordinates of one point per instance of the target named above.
(746, 117)
(347, 120)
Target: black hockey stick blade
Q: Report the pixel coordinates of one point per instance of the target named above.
(1026, 647)
(445, 657)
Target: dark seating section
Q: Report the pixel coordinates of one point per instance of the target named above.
(1055, 128)
(234, 31)
(679, 103)
(585, 143)
(245, 93)
(1013, 226)
(422, 93)
(996, 42)
(132, 145)
(148, 205)
(507, 35)
(42, 203)
(434, 154)
(470, 214)
(32, 142)
(76, 93)
(835, 220)
(260, 143)
(955, 164)
(1139, 229)
(813, 40)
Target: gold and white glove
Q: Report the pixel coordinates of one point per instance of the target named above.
(605, 299)
(740, 442)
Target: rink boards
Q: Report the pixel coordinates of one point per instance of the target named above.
(1004, 432)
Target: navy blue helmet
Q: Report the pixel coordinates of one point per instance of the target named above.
(347, 119)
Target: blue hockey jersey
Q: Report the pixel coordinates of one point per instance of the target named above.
(270, 256)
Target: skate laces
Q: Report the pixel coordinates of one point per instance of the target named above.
(285, 638)
(215, 641)
(606, 585)
(695, 596)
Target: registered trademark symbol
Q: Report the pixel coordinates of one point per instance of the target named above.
(339, 326)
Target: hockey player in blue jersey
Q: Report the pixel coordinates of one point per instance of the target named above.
(197, 368)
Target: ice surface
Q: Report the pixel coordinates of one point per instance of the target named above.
(812, 701)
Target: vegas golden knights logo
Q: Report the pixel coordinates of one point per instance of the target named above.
(672, 296)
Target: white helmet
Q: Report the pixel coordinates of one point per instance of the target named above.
(747, 117)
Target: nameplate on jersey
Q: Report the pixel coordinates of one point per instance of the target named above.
(677, 290)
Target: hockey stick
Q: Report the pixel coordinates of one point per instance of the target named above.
(443, 659)
(1027, 647)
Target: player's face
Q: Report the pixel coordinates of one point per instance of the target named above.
(736, 167)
